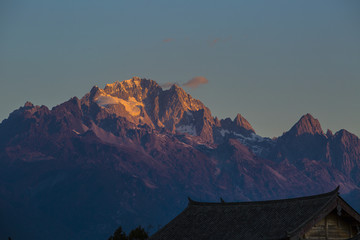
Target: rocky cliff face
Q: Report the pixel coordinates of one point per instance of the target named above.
(344, 152)
(304, 140)
(306, 125)
(132, 152)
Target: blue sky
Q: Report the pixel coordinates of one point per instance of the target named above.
(271, 61)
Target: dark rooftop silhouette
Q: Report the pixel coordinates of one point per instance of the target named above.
(274, 219)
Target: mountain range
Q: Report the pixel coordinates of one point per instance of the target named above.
(132, 152)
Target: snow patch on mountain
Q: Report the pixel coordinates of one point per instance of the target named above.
(132, 106)
(257, 144)
(243, 139)
(254, 142)
(189, 129)
(252, 138)
(223, 132)
(105, 100)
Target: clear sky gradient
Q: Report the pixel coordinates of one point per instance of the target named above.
(271, 61)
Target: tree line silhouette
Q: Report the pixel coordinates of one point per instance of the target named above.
(138, 233)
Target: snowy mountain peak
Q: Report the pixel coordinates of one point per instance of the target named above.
(123, 86)
(143, 102)
(135, 87)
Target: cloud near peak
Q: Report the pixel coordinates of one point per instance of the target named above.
(195, 82)
(168, 40)
(217, 40)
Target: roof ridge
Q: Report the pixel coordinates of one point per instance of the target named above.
(315, 213)
(273, 219)
(333, 192)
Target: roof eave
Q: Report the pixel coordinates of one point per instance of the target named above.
(317, 216)
(348, 209)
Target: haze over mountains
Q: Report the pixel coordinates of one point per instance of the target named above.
(132, 152)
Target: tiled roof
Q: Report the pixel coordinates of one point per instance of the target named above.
(276, 219)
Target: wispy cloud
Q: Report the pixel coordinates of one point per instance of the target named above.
(213, 42)
(217, 40)
(195, 82)
(168, 40)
